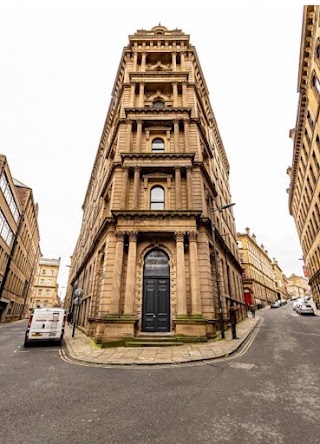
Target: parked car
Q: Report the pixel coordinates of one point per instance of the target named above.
(305, 308)
(296, 304)
(275, 304)
(283, 301)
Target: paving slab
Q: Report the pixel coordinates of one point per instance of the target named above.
(81, 348)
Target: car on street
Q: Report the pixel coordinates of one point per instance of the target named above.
(275, 304)
(304, 309)
(296, 304)
(283, 301)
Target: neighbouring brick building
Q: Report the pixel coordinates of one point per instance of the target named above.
(144, 256)
(258, 275)
(19, 244)
(45, 285)
(304, 190)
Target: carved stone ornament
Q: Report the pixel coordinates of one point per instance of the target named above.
(192, 235)
(133, 235)
(179, 235)
(120, 236)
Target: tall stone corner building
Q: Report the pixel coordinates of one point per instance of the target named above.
(144, 257)
(304, 190)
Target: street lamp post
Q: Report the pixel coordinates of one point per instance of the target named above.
(215, 258)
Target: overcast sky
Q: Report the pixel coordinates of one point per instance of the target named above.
(58, 63)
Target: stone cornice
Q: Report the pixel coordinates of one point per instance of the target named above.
(153, 73)
(157, 156)
(151, 110)
(154, 214)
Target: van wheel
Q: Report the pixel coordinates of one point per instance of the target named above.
(26, 343)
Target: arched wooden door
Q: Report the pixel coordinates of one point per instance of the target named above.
(156, 292)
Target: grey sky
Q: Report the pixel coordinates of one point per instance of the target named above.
(58, 64)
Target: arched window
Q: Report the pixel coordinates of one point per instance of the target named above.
(157, 198)
(157, 145)
(45, 304)
(158, 104)
(38, 305)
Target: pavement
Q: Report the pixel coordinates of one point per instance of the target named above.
(83, 349)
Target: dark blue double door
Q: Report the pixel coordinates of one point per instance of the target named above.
(156, 301)
(156, 293)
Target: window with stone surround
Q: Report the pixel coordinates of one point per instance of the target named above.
(157, 145)
(157, 198)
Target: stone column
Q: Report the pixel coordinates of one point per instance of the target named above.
(178, 187)
(182, 59)
(135, 61)
(176, 135)
(143, 61)
(186, 135)
(141, 95)
(139, 136)
(189, 188)
(194, 275)
(132, 94)
(175, 93)
(117, 274)
(181, 275)
(131, 274)
(174, 61)
(184, 94)
(129, 132)
(125, 175)
(136, 183)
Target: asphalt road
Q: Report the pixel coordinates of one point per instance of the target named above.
(268, 393)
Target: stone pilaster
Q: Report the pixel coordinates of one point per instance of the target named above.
(189, 188)
(131, 274)
(125, 176)
(184, 94)
(132, 95)
(129, 133)
(181, 275)
(194, 275)
(143, 61)
(141, 95)
(176, 135)
(139, 136)
(136, 183)
(186, 135)
(178, 187)
(175, 94)
(174, 61)
(117, 274)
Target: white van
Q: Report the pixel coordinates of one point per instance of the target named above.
(46, 324)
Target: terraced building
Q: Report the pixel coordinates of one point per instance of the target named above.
(304, 190)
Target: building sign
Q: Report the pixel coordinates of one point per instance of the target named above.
(305, 272)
